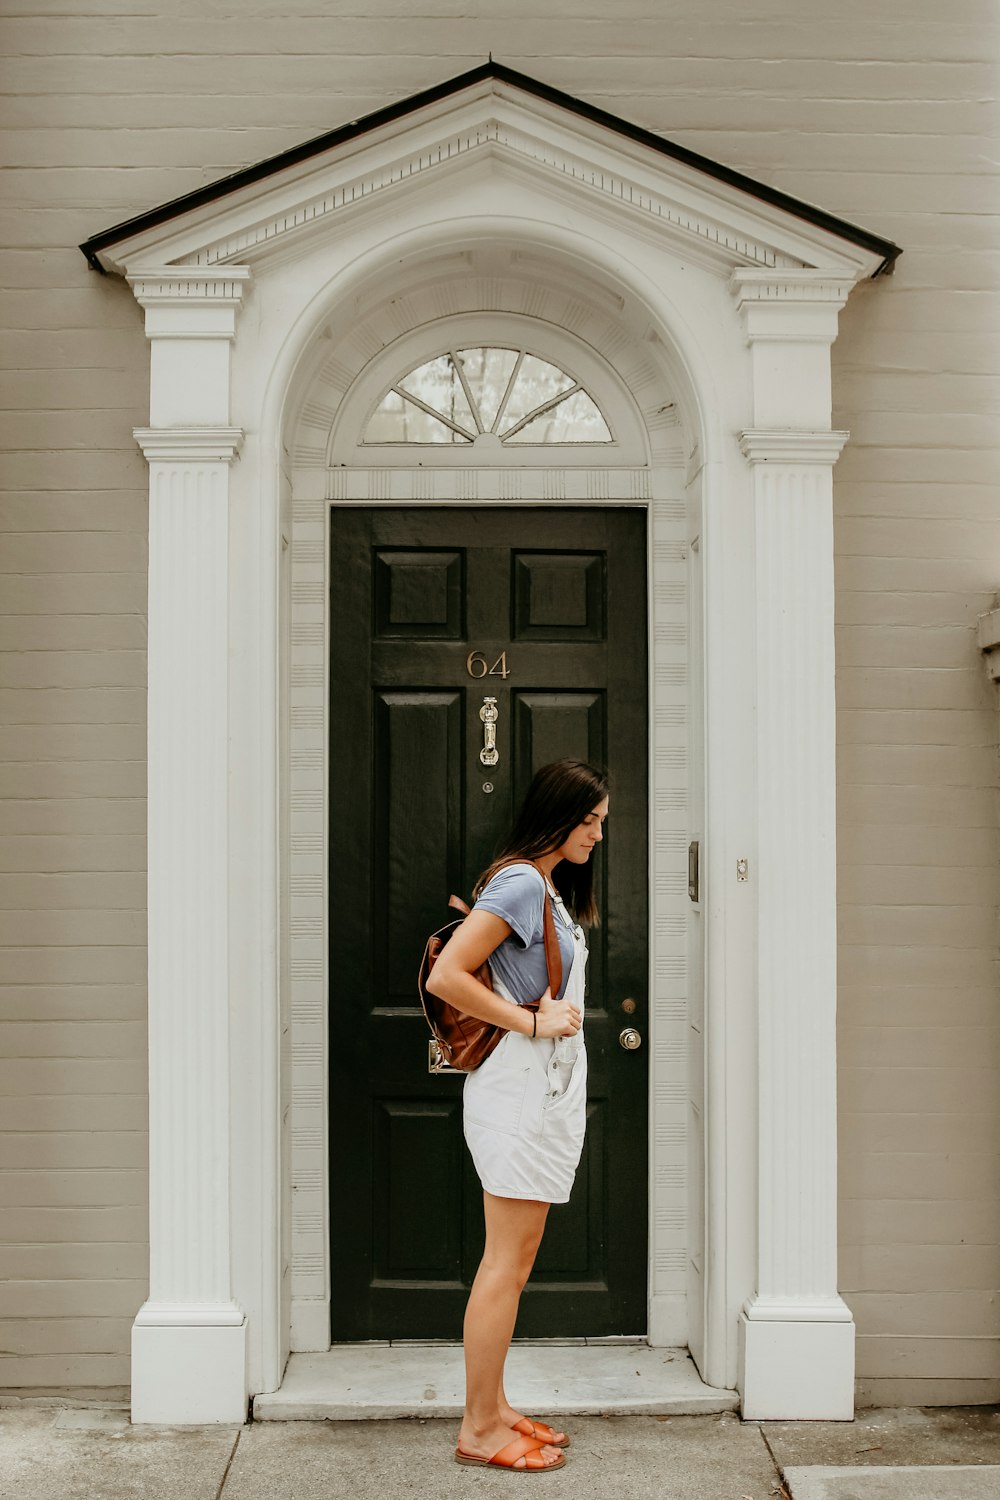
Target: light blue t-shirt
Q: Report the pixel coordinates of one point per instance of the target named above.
(517, 894)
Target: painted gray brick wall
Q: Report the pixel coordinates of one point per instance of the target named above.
(878, 116)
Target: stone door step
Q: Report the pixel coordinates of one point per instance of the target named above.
(355, 1381)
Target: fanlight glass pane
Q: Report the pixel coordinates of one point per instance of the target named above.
(437, 384)
(577, 419)
(488, 373)
(458, 395)
(396, 420)
(537, 382)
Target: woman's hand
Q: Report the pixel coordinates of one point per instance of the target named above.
(557, 1017)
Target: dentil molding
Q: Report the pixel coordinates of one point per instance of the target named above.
(604, 178)
(186, 302)
(795, 284)
(798, 305)
(171, 284)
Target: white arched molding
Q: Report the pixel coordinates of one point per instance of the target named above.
(629, 447)
(560, 312)
(623, 369)
(189, 1337)
(797, 1334)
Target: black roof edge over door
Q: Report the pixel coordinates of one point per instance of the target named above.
(392, 112)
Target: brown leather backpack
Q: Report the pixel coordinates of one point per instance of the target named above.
(460, 1041)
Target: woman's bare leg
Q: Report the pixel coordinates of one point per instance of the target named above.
(514, 1229)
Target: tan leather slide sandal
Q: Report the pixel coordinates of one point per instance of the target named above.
(507, 1458)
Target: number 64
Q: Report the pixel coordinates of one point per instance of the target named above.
(477, 666)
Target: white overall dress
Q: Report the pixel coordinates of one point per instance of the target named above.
(525, 1107)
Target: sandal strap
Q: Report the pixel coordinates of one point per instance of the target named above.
(540, 1430)
(521, 1447)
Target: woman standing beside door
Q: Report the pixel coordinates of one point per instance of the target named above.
(525, 1107)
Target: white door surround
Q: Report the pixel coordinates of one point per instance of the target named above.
(735, 296)
(646, 466)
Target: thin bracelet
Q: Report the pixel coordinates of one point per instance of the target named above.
(534, 1023)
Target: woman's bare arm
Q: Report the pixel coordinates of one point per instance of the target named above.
(453, 978)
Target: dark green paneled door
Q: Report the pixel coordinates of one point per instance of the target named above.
(434, 611)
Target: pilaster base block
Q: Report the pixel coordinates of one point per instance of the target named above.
(796, 1371)
(668, 1321)
(189, 1375)
(310, 1330)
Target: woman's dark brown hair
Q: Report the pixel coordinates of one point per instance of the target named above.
(559, 798)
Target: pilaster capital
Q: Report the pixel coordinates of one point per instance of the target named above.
(790, 305)
(792, 446)
(189, 444)
(190, 302)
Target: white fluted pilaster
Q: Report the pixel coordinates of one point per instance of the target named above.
(187, 842)
(189, 1337)
(798, 1333)
(188, 1341)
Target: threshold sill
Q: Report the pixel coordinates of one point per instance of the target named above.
(358, 1382)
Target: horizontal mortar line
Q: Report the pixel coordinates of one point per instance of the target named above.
(625, 91)
(63, 650)
(981, 1338)
(70, 1171)
(887, 785)
(971, 669)
(896, 372)
(861, 446)
(79, 572)
(67, 1130)
(158, 54)
(858, 947)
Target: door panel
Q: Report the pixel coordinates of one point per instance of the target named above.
(435, 611)
(417, 750)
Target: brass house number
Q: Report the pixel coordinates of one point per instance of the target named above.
(477, 665)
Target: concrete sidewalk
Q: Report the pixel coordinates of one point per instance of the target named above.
(93, 1453)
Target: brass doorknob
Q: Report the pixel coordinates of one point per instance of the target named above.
(630, 1039)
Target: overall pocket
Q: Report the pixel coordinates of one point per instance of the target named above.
(494, 1093)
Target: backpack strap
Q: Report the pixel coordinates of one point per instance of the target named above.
(553, 954)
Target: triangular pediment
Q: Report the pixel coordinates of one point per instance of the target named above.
(495, 118)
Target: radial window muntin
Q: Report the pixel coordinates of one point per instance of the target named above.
(490, 394)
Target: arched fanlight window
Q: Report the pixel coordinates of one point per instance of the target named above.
(466, 393)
